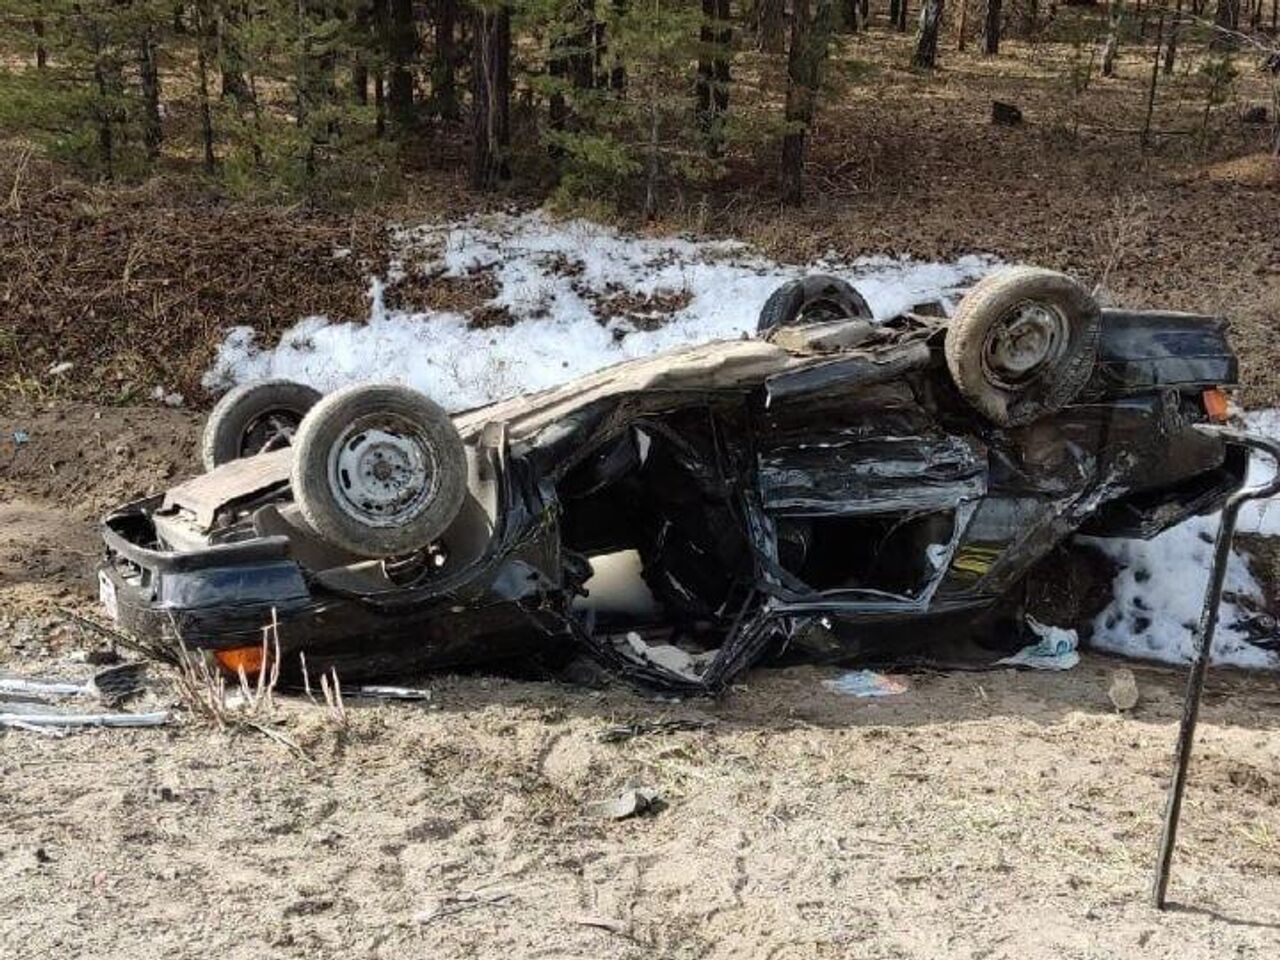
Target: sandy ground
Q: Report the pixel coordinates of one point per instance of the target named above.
(996, 814)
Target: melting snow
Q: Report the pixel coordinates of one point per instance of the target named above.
(553, 276)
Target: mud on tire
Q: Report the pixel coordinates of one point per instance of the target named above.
(1023, 343)
(378, 470)
(253, 418)
(811, 300)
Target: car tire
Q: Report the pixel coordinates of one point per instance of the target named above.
(811, 300)
(253, 418)
(379, 470)
(1022, 343)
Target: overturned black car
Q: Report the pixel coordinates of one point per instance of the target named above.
(832, 483)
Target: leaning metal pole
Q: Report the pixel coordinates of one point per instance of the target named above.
(1203, 644)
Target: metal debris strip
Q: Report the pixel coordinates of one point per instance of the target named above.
(1203, 648)
(111, 685)
(26, 721)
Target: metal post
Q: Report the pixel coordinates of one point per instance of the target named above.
(1203, 646)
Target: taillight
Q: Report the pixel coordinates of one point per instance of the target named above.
(248, 659)
(1215, 404)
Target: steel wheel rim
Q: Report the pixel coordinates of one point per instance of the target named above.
(383, 470)
(1027, 339)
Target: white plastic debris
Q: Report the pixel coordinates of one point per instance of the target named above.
(1056, 649)
(58, 369)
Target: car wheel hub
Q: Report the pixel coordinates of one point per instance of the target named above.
(382, 472)
(269, 431)
(1030, 337)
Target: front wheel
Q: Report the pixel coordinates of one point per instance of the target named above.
(1022, 343)
(378, 470)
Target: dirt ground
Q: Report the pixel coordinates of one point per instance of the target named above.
(988, 814)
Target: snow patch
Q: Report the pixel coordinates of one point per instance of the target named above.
(1160, 586)
(554, 277)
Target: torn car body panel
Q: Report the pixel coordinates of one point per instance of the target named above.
(832, 474)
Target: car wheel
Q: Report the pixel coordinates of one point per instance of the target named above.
(378, 470)
(254, 418)
(811, 299)
(1022, 343)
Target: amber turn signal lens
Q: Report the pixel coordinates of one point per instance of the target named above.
(1215, 404)
(248, 659)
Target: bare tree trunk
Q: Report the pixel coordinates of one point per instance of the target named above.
(1226, 18)
(810, 36)
(205, 29)
(149, 79)
(444, 86)
(771, 25)
(359, 55)
(901, 22)
(963, 25)
(42, 54)
(1115, 22)
(893, 11)
(1155, 77)
(991, 29)
(402, 46)
(1171, 48)
(103, 109)
(490, 97)
(381, 31)
(229, 16)
(712, 87)
(849, 15)
(926, 55)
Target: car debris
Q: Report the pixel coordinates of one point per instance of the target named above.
(58, 720)
(112, 685)
(631, 802)
(621, 732)
(835, 472)
(866, 683)
(1055, 650)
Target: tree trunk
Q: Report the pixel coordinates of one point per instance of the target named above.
(103, 109)
(926, 55)
(360, 54)
(490, 97)
(205, 35)
(771, 24)
(1116, 21)
(712, 87)
(1155, 77)
(848, 19)
(402, 45)
(444, 86)
(991, 29)
(149, 79)
(893, 11)
(1226, 20)
(810, 36)
(901, 22)
(963, 25)
(42, 54)
(230, 56)
(1171, 48)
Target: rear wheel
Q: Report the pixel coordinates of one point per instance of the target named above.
(379, 470)
(1022, 343)
(815, 299)
(255, 418)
